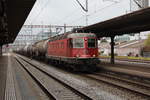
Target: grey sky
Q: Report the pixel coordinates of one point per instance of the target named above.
(58, 12)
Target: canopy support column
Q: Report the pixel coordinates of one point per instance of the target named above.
(0, 50)
(112, 50)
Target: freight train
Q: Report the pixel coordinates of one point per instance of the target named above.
(77, 50)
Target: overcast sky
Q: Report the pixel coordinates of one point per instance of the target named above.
(60, 12)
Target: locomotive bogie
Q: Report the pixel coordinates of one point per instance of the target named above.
(74, 60)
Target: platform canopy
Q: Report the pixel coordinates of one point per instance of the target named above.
(134, 22)
(13, 14)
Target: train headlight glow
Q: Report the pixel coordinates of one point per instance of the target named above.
(77, 55)
(94, 55)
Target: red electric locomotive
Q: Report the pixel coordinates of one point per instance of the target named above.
(79, 50)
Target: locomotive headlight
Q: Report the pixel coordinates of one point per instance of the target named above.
(77, 55)
(94, 55)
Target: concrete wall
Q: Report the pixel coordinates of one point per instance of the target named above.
(126, 51)
(122, 51)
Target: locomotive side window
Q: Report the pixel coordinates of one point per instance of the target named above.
(78, 43)
(91, 43)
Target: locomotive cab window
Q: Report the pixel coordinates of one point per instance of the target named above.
(92, 43)
(78, 43)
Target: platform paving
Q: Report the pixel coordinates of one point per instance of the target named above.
(14, 83)
(10, 91)
(3, 75)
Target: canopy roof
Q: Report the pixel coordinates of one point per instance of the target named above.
(134, 22)
(13, 16)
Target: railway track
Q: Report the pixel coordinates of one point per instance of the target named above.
(134, 60)
(53, 87)
(102, 85)
(130, 62)
(134, 69)
(127, 84)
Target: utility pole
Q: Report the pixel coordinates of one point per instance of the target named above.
(50, 30)
(42, 31)
(86, 19)
(130, 5)
(86, 12)
(64, 28)
(32, 38)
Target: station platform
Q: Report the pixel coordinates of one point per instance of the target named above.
(3, 75)
(14, 84)
(8, 87)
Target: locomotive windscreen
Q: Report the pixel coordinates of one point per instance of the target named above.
(92, 43)
(78, 43)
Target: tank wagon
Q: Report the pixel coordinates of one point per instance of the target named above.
(39, 48)
(77, 50)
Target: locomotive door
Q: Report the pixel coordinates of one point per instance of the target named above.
(69, 47)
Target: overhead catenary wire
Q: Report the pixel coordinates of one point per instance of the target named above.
(136, 2)
(105, 7)
(78, 19)
(68, 16)
(37, 15)
(72, 13)
(94, 12)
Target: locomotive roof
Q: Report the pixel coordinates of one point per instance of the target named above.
(59, 37)
(74, 35)
(71, 35)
